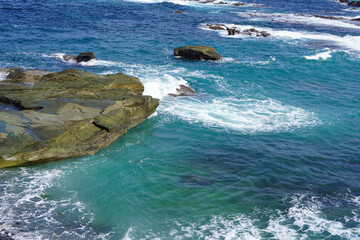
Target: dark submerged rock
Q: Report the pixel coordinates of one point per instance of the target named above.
(197, 53)
(196, 180)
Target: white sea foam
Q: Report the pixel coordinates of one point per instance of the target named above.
(306, 215)
(191, 2)
(309, 20)
(320, 56)
(347, 42)
(179, 2)
(158, 81)
(3, 76)
(23, 206)
(302, 220)
(128, 234)
(244, 115)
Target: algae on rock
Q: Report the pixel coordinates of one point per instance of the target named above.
(67, 114)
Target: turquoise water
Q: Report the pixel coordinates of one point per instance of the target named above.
(267, 149)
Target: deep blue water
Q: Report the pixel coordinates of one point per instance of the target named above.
(269, 148)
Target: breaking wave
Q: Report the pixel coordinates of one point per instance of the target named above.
(245, 115)
(304, 19)
(346, 42)
(320, 56)
(302, 220)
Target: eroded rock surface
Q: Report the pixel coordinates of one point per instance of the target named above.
(67, 114)
(197, 53)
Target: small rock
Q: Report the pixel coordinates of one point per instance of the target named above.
(85, 57)
(237, 4)
(232, 31)
(216, 26)
(354, 4)
(255, 33)
(183, 91)
(197, 53)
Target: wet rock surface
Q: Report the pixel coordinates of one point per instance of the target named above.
(82, 57)
(197, 53)
(183, 91)
(67, 114)
(234, 31)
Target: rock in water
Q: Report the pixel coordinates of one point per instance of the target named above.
(68, 114)
(20, 75)
(197, 53)
(69, 57)
(216, 26)
(183, 91)
(85, 57)
(239, 4)
(354, 4)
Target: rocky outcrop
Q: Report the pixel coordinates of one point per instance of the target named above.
(354, 4)
(216, 26)
(255, 33)
(19, 75)
(351, 3)
(237, 4)
(234, 31)
(197, 53)
(67, 114)
(82, 57)
(183, 91)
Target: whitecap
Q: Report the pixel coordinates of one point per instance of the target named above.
(244, 115)
(24, 202)
(320, 56)
(3, 76)
(187, 2)
(347, 42)
(304, 19)
(302, 220)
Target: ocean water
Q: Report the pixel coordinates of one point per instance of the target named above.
(268, 148)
